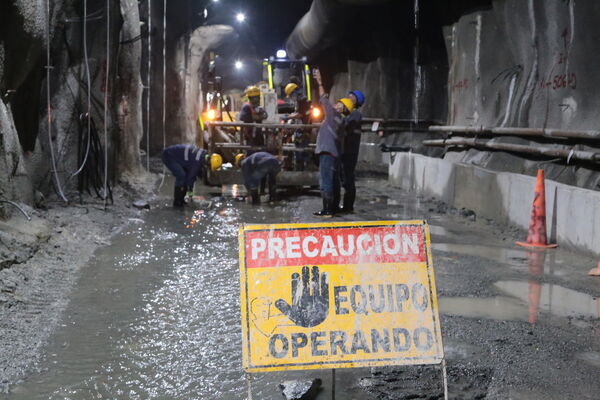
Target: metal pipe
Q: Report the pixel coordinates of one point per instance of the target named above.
(12, 203)
(223, 145)
(268, 126)
(400, 121)
(542, 132)
(518, 148)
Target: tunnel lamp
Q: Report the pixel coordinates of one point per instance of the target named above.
(215, 1)
(205, 13)
(281, 54)
(211, 114)
(238, 65)
(240, 17)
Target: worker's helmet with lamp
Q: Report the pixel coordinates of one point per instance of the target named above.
(238, 159)
(360, 97)
(289, 89)
(347, 103)
(252, 91)
(215, 160)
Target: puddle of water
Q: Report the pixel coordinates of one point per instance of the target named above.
(454, 349)
(498, 308)
(234, 191)
(510, 256)
(527, 302)
(553, 299)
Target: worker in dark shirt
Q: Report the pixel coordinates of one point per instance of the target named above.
(255, 168)
(252, 112)
(302, 115)
(352, 128)
(187, 163)
(329, 143)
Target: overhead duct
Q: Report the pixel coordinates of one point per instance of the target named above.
(323, 25)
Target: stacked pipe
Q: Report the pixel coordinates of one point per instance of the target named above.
(568, 153)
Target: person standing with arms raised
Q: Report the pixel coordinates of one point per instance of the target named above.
(329, 145)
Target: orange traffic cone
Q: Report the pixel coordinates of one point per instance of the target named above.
(595, 271)
(536, 237)
(536, 271)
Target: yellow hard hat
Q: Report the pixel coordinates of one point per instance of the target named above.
(238, 159)
(215, 161)
(252, 91)
(289, 88)
(348, 103)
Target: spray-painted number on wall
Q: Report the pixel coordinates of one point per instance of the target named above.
(560, 81)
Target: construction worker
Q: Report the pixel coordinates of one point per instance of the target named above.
(329, 142)
(252, 112)
(257, 167)
(352, 128)
(187, 162)
(302, 115)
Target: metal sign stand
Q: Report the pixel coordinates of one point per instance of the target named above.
(333, 384)
(249, 382)
(445, 378)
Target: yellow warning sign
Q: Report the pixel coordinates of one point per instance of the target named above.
(338, 295)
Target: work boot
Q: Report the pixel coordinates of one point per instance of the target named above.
(348, 206)
(336, 202)
(327, 211)
(179, 196)
(272, 188)
(255, 196)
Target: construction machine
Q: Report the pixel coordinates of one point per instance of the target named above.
(291, 139)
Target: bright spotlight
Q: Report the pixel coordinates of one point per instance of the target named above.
(215, 1)
(238, 65)
(241, 17)
(281, 54)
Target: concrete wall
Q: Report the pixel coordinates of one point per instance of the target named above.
(573, 214)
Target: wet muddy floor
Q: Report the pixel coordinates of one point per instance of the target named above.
(156, 314)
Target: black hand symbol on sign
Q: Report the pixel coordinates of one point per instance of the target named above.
(307, 310)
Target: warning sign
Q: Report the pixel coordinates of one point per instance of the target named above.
(338, 295)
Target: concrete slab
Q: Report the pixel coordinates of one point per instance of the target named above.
(573, 214)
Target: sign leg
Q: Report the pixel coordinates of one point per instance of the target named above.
(333, 384)
(249, 382)
(445, 378)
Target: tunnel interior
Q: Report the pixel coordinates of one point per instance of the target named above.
(470, 63)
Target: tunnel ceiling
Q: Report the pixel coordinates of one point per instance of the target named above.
(329, 22)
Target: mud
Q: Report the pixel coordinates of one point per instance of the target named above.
(40, 260)
(155, 313)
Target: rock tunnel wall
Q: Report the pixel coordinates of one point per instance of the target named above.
(500, 63)
(34, 159)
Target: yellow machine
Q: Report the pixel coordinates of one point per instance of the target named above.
(293, 141)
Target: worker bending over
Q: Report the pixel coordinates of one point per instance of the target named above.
(187, 162)
(352, 128)
(252, 112)
(256, 167)
(329, 143)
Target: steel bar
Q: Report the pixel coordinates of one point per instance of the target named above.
(267, 126)
(224, 145)
(367, 120)
(568, 154)
(542, 132)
